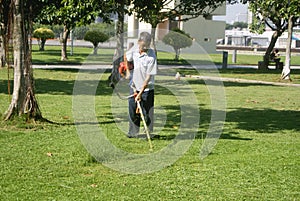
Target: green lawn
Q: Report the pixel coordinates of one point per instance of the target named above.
(256, 157)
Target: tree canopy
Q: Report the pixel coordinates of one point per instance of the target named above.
(241, 25)
(95, 37)
(276, 15)
(70, 13)
(42, 34)
(178, 39)
(156, 11)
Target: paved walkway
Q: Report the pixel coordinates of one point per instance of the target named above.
(238, 80)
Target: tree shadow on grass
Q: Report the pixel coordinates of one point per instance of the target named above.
(66, 87)
(53, 57)
(241, 121)
(265, 121)
(55, 86)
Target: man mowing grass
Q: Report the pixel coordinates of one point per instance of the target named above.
(145, 67)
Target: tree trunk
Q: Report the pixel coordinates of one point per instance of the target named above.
(153, 30)
(177, 52)
(64, 41)
(118, 56)
(5, 31)
(4, 37)
(120, 30)
(95, 52)
(42, 46)
(285, 75)
(2, 51)
(23, 99)
(271, 46)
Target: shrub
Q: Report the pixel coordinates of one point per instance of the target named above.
(43, 34)
(95, 37)
(177, 39)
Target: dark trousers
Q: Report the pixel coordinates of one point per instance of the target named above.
(147, 103)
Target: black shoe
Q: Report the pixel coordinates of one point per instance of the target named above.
(145, 137)
(142, 136)
(132, 135)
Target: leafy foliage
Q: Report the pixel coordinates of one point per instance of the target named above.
(241, 25)
(42, 34)
(72, 13)
(95, 37)
(178, 39)
(79, 32)
(275, 15)
(154, 11)
(107, 28)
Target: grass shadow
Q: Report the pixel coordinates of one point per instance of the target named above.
(65, 87)
(243, 120)
(264, 120)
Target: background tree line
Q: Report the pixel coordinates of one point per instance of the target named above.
(80, 31)
(235, 25)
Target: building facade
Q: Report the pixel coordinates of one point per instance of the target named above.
(204, 31)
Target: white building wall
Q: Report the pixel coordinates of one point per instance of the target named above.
(204, 31)
(220, 11)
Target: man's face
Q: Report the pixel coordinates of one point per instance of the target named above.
(142, 46)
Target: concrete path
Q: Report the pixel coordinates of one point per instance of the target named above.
(238, 80)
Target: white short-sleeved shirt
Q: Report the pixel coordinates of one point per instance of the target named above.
(144, 64)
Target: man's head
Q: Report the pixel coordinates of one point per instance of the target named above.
(144, 40)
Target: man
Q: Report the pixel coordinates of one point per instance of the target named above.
(145, 67)
(274, 56)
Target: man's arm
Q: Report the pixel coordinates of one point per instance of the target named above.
(145, 85)
(127, 75)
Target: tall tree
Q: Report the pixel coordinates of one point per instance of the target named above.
(274, 14)
(285, 75)
(70, 13)
(293, 19)
(4, 35)
(23, 98)
(121, 9)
